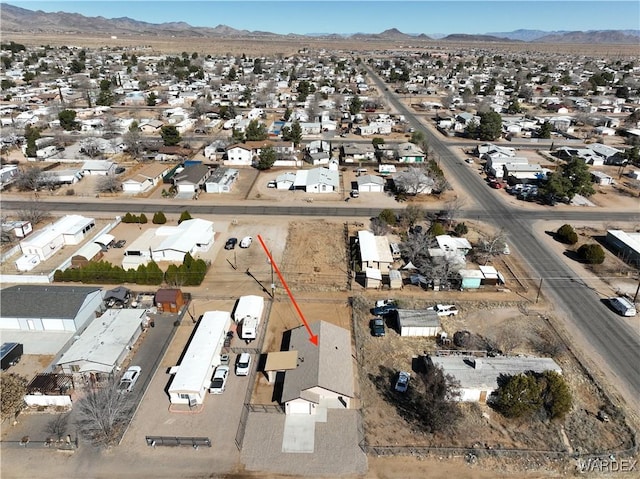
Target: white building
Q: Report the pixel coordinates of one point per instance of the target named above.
(193, 376)
(374, 251)
(69, 230)
(106, 342)
(170, 243)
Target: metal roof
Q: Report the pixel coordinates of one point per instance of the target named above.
(43, 301)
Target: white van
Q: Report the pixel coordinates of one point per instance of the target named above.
(623, 306)
(243, 364)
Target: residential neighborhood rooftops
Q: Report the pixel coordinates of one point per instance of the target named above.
(37, 301)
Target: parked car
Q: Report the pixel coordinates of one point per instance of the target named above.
(272, 184)
(444, 309)
(219, 380)
(246, 242)
(129, 378)
(623, 306)
(383, 310)
(119, 243)
(355, 193)
(402, 383)
(243, 364)
(224, 359)
(231, 243)
(384, 302)
(377, 327)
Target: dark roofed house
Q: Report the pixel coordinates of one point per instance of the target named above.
(48, 308)
(192, 178)
(323, 377)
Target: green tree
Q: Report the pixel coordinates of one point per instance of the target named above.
(490, 128)
(31, 134)
(355, 105)
(267, 158)
(577, 172)
(556, 395)
(296, 133)
(159, 218)
(76, 66)
(436, 229)
(184, 216)
(377, 141)
(545, 130)
(460, 229)
(388, 217)
(514, 107)
(591, 253)
(232, 75)
(142, 219)
(151, 99)
(566, 234)
(256, 131)
(170, 135)
(518, 396)
(67, 120)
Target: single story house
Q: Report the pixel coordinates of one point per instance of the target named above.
(68, 230)
(478, 376)
(375, 252)
(105, 344)
(98, 167)
(409, 153)
(31, 307)
(191, 179)
(323, 377)
(317, 180)
(169, 243)
(145, 178)
(221, 180)
(192, 377)
(626, 245)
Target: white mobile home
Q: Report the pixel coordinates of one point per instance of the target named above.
(69, 230)
(193, 376)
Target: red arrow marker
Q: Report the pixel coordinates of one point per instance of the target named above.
(312, 337)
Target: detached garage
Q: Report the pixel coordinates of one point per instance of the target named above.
(370, 184)
(418, 322)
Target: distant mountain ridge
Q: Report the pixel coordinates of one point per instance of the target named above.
(22, 20)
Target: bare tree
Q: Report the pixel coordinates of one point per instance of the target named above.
(58, 425)
(14, 387)
(416, 248)
(28, 179)
(34, 211)
(103, 414)
(90, 147)
(413, 180)
(491, 245)
(411, 215)
(108, 184)
(132, 141)
(452, 209)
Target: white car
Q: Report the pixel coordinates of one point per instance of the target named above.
(246, 242)
(243, 364)
(219, 380)
(129, 379)
(384, 302)
(444, 309)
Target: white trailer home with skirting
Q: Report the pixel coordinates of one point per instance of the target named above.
(192, 377)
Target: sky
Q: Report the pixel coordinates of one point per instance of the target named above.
(366, 16)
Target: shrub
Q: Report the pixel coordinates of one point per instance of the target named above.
(388, 217)
(461, 229)
(566, 234)
(159, 218)
(591, 253)
(129, 218)
(143, 219)
(70, 192)
(436, 229)
(184, 216)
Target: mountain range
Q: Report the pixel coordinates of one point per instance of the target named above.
(21, 20)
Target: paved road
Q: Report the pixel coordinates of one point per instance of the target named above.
(614, 341)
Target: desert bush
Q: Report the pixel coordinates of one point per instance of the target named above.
(591, 253)
(566, 234)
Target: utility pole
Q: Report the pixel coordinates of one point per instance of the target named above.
(539, 289)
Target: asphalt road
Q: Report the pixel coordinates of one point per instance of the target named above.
(614, 341)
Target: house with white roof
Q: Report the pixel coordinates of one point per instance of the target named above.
(317, 180)
(68, 230)
(192, 377)
(374, 251)
(170, 243)
(478, 376)
(104, 345)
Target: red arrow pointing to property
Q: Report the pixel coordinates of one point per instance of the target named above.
(312, 337)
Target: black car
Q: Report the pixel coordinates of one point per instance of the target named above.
(231, 243)
(377, 327)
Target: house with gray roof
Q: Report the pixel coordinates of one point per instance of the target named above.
(478, 376)
(34, 307)
(323, 375)
(192, 178)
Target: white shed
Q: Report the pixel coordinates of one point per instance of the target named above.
(418, 322)
(395, 279)
(372, 278)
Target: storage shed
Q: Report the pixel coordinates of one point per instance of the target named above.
(395, 279)
(169, 300)
(372, 278)
(471, 278)
(418, 322)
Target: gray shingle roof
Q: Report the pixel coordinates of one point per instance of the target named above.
(43, 301)
(328, 365)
